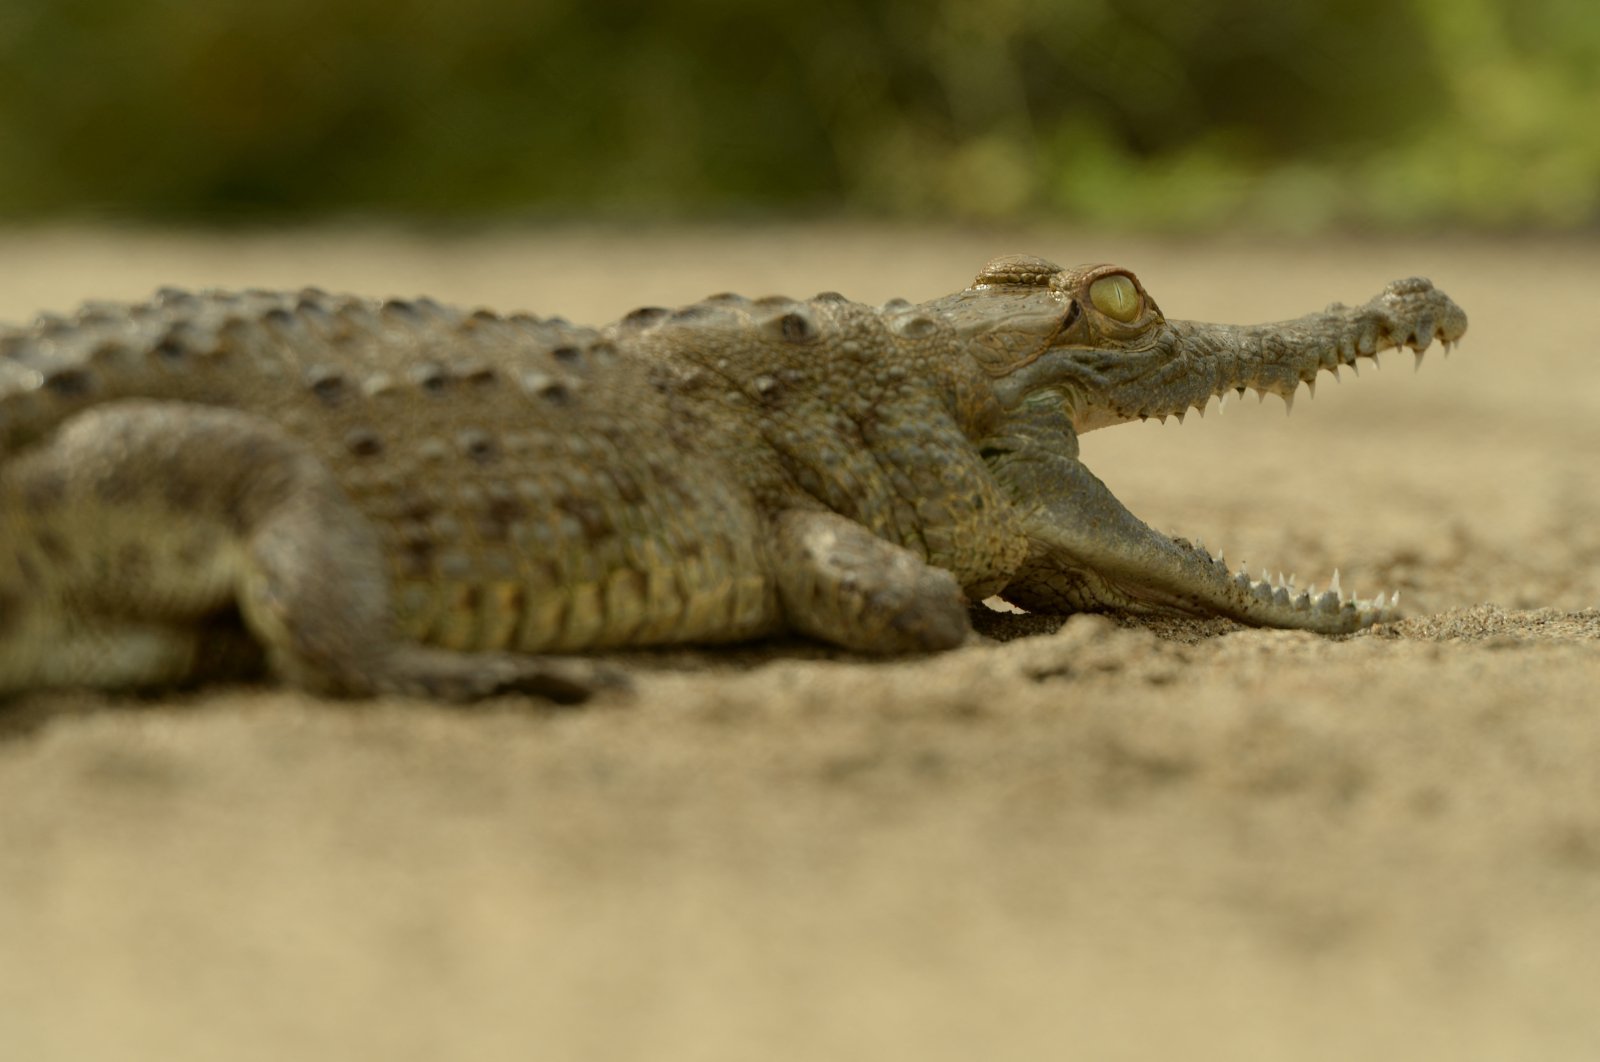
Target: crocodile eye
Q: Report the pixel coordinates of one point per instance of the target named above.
(1116, 297)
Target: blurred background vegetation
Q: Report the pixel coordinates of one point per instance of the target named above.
(1283, 114)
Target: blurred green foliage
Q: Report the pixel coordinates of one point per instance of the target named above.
(1146, 113)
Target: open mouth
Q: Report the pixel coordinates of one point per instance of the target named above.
(1091, 553)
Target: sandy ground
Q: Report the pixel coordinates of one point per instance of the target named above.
(1158, 841)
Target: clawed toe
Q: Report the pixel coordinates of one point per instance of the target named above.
(561, 682)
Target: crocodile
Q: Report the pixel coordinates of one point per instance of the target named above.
(357, 496)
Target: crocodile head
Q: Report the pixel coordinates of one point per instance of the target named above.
(1091, 339)
(1070, 350)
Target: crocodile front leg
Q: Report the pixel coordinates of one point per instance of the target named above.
(1089, 553)
(842, 584)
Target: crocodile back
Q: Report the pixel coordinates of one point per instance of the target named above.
(274, 353)
(527, 479)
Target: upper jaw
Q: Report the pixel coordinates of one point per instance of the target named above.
(1187, 363)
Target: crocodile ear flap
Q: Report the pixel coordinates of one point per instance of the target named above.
(1018, 269)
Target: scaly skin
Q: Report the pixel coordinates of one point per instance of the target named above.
(399, 496)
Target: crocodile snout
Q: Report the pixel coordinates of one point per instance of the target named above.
(1419, 313)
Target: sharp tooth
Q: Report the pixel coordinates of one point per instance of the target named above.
(1376, 364)
(1394, 602)
(1418, 354)
(1179, 416)
(1335, 371)
(1311, 388)
(1288, 403)
(1355, 370)
(1281, 580)
(1379, 602)
(1261, 395)
(1266, 577)
(1240, 390)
